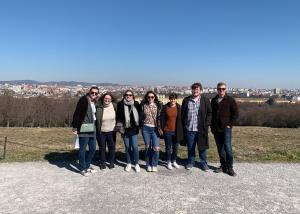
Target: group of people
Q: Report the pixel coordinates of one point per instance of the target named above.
(99, 119)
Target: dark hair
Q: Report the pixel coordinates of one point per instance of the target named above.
(124, 95)
(155, 97)
(196, 85)
(107, 93)
(172, 96)
(94, 87)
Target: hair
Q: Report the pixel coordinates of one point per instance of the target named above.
(146, 95)
(107, 93)
(124, 95)
(94, 87)
(196, 85)
(220, 84)
(172, 96)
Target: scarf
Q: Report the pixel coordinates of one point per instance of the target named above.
(128, 112)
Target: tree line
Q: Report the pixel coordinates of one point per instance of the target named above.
(58, 112)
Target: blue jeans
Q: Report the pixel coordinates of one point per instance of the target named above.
(223, 141)
(151, 140)
(171, 141)
(131, 141)
(85, 160)
(192, 140)
(103, 139)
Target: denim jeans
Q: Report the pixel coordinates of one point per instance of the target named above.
(223, 141)
(131, 141)
(103, 139)
(151, 140)
(192, 140)
(171, 141)
(85, 160)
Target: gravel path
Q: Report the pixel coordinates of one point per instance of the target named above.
(43, 187)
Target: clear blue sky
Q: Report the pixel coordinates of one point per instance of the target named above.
(247, 43)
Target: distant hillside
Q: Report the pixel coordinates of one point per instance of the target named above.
(61, 83)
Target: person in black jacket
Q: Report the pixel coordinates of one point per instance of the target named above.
(84, 116)
(128, 125)
(172, 127)
(224, 114)
(196, 118)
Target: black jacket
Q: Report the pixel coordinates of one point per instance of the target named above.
(224, 113)
(121, 117)
(179, 128)
(80, 112)
(204, 120)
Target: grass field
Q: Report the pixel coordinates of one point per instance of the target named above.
(249, 144)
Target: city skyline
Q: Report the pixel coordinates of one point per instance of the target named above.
(247, 44)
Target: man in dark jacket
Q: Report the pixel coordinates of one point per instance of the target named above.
(196, 117)
(225, 113)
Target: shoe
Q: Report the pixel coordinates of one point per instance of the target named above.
(85, 173)
(137, 168)
(154, 169)
(111, 166)
(204, 168)
(149, 169)
(128, 167)
(189, 166)
(176, 165)
(102, 166)
(91, 170)
(231, 172)
(169, 166)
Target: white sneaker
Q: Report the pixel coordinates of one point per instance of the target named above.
(137, 168)
(128, 167)
(85, 173)
(176, 165)
(154, 169)
(169, 166)
(149, 169)
(91, 170)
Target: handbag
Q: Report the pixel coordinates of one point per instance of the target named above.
(87, 127)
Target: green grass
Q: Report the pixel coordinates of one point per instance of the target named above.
(249, 144)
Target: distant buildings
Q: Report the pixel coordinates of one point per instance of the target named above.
(55, 90)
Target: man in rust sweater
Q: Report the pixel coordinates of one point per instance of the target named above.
(224, 114)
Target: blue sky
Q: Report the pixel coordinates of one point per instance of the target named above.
(252, 43)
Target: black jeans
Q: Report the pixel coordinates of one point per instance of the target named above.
(106, 138)
(171, 141)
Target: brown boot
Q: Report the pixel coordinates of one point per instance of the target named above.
(231, 172)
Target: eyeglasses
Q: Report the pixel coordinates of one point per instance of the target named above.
(128, 95)
(150, 97)
(94, 93)
(221, 89)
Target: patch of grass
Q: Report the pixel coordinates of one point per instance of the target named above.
(249, 144)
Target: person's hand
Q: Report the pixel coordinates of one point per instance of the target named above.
(228, 127)
(75, 131)
(160, 131)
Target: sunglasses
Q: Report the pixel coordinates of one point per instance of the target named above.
(128, 95)
(150, 97)
(221, 89)
(94, 93)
